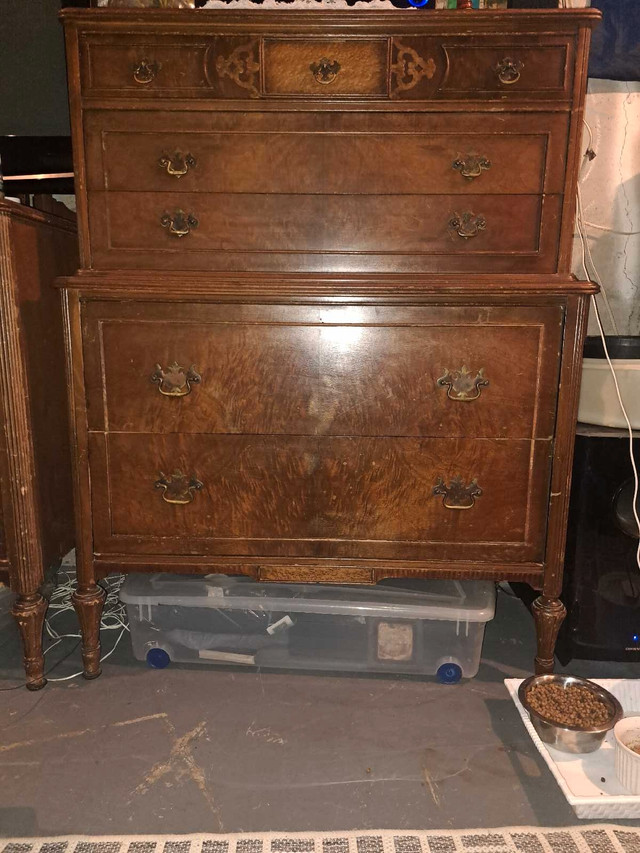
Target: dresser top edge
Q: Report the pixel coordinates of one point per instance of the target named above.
(436, 22)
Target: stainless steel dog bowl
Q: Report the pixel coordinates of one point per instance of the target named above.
(570, 738)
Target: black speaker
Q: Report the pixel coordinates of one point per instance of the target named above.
(601, 580)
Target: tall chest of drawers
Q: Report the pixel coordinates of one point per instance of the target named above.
(324, 328)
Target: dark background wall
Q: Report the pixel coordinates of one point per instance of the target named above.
(33, 83)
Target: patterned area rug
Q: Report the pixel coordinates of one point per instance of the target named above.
(527, 839)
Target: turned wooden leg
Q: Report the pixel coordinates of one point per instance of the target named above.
(88, 603)
(548, 614)
(29, 612)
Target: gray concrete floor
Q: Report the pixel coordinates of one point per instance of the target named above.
(211, 749)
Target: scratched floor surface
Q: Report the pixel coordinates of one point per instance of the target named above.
(218, 750)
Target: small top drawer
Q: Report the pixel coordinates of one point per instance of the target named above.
(145, 66)
(321, 67)
(506, 68)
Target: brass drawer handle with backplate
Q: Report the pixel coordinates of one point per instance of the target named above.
(177, 164)
(145, 71)
(179, 223)
(175, 381)
(508, 70)
(325, 71)
(462, 385)
(471, 166)
(457, 495)
(177, 488)
(467, 224)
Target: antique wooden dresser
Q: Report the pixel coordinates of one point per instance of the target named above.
(324, 327)
(36, 513)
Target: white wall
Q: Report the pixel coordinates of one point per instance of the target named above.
(610, 188)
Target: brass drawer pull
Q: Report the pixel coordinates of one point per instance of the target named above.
(456, 495)
(325, 71)
(462, 385)
(145, 71)
(179, 223)
(175, 381)
(508, 70)
(467, 224)
(178, 164)
(178, 488)
(472, 166)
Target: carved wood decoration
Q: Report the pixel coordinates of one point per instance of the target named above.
(409, 68)
(349, 259)
(242, 67)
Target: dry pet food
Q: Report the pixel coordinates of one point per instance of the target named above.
(568, 706)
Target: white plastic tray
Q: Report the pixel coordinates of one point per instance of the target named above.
(581, 776)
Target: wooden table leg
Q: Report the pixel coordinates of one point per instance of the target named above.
(548, 614)
(29, 612)
(88, 602)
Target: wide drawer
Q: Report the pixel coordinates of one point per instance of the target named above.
(222, 231)
(256, 66)
(420, 371)
(377, 497)
(348, 153)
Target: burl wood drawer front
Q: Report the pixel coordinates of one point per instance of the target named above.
(205, 231)
(325, 67)
(319, 496)
(334, 154)
(489, 371)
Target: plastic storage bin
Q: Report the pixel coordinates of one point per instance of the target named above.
(422, 627)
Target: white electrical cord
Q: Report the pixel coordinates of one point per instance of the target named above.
(593, 275)
(114, 614)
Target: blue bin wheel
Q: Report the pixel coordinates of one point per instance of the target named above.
(158, 658)
(448, 673)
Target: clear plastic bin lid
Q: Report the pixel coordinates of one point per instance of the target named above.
(472, 601)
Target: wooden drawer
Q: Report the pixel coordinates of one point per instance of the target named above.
(149, 65)
(325, 67)
(318, 154)
(508, 67)
(309, 371)
(200, 231)
(378, 497)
